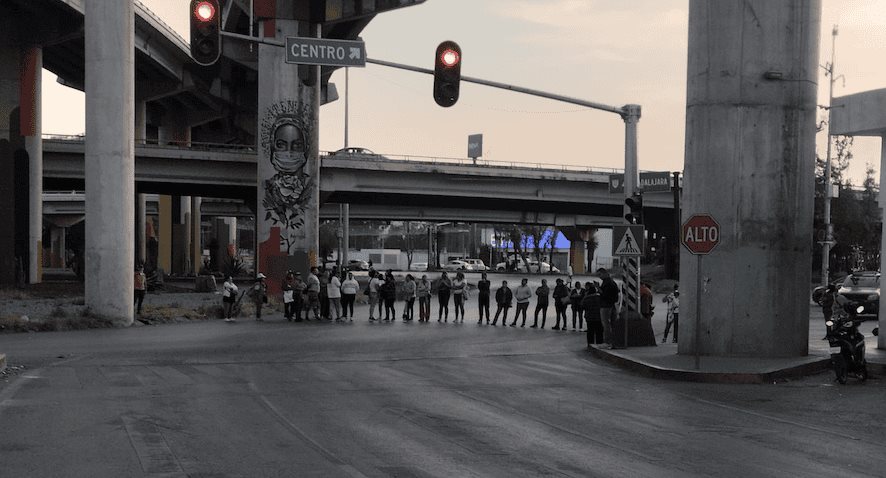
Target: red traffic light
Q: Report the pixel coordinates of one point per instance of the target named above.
(450, 57)
(204, 11)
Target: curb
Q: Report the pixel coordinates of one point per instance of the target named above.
(2, 362)
(814, 366)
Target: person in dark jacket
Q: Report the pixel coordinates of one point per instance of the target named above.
(388, 293)
(444, 287)
(503, 299)
(590, 303)
(561, 302)
(541, 305)
(575, 300)
(483, 297)
(608, 298)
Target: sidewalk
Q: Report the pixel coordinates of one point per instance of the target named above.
(664, 362)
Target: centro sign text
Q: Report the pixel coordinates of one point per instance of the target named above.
(325, 52)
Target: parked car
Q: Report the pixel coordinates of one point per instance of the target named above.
(864, 288)
(358, 265)
(419, 266)
(477, 265)
(533, 267)
(356, 153)
(456, 265)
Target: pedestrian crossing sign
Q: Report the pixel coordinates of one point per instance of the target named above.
(627, 240)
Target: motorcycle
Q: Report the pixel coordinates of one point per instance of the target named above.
(847, 343)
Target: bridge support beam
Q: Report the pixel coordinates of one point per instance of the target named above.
(110, 159)
(750, 150)
(32, 132)
(10, 59)
(58, 247)
(287, 219)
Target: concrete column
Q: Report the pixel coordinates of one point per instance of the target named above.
(346, 234)
(10, 60)
(110, 161)
(578, 256)
(57, 245)
(196, 240)
(141, 252)
(32, 132)
(287, 221)
(750, 150)
(141, 122)
(164, 236)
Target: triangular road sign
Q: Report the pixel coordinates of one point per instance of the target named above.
(628, 240)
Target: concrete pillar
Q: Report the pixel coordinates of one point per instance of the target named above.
(58, 246)
(196, 240)
(578, 256)
(164, 237)
(750, 151)
(32, 132)
(141, 122)
(287, 221)
(110, 160)
(10, 59)
(346, 233)
(141, 252)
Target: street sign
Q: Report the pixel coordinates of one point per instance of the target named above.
(649, 182)
(700, 234)
(475, 146)
(325, 52)
(627, 240)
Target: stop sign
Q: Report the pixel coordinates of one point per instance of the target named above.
(700, 234)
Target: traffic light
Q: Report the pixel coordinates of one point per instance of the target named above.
(447, 73)
(205, 31)
(635, 203)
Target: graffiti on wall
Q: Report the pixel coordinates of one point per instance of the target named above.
(285, 143)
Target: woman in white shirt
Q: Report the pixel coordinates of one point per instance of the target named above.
(349, 290)
(333, 293)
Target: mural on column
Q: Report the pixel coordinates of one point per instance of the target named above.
(285, 143)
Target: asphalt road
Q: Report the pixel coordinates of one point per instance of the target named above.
(212, 399)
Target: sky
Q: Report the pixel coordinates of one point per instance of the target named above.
(614, 52)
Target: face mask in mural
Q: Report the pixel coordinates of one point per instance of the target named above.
(289, 190)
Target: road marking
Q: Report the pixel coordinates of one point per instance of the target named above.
(150, 446)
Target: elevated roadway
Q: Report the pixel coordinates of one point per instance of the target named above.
(406, 188)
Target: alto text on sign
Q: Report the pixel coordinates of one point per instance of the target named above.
(700, 234)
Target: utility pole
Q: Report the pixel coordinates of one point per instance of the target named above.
(829, 228)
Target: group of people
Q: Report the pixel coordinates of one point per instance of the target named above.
(331, 296)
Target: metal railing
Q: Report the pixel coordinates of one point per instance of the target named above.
(154, 143)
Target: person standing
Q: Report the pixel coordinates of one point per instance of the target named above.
(229, 297)
(288, 295)
(423, 291)
(333, 294)
(444, 286)
(298, 295)
(349, 290)
(646, 307)
(324, 295)
(522, 295)
(673, 301)
(591, 305)
(503, 298)
(313, 290)
(259, 294)
(542, 294)
(458, 296)
(575, 301)
(608, 298)
(140, 287)
(561, 301)
(409, 288)
(483, 297)
(375, 284)
(389, 295)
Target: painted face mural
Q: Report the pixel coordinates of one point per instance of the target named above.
(285, 146)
